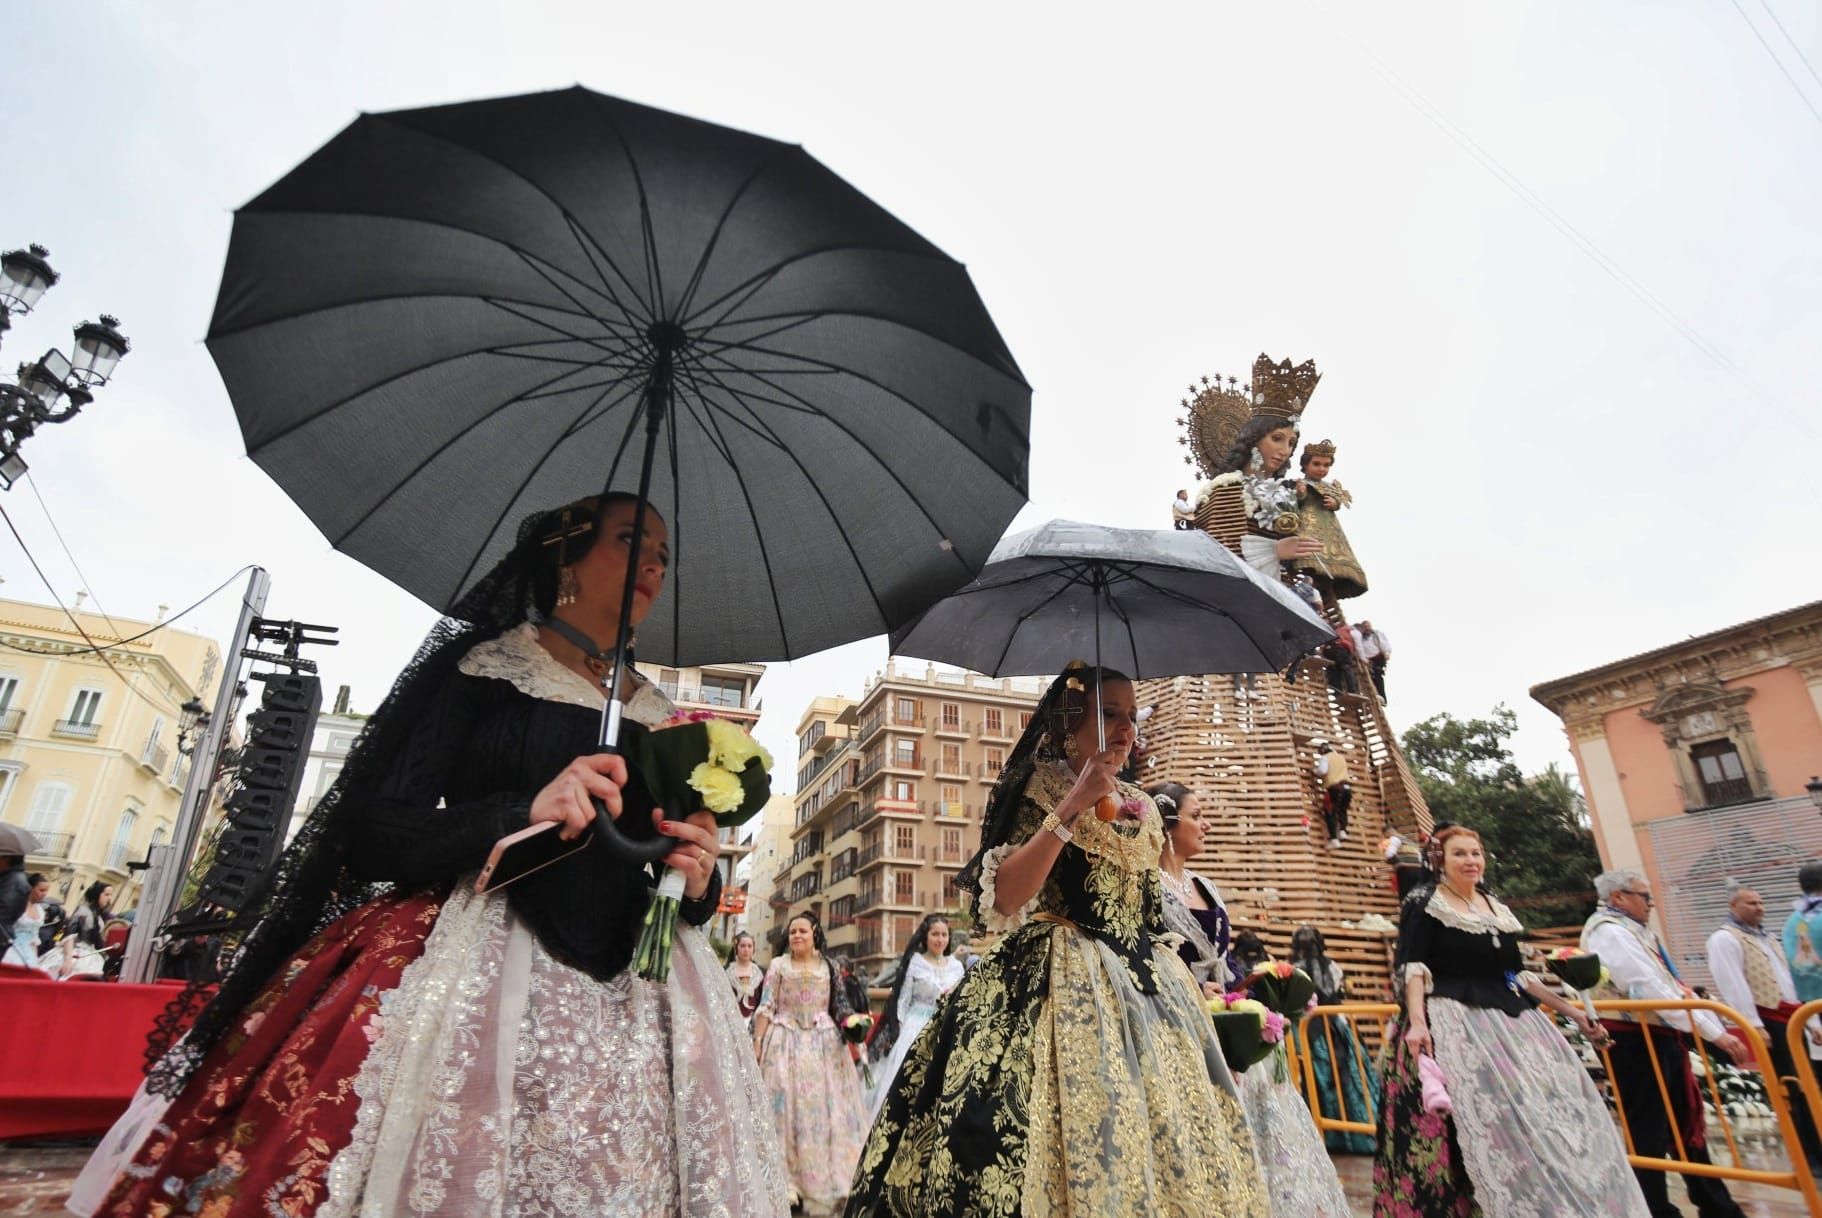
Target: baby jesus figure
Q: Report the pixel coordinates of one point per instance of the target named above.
(1319, 498)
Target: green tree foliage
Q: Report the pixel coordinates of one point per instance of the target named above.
(1541, 855)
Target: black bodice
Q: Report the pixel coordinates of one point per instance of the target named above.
(467, 778)
(1474, 968)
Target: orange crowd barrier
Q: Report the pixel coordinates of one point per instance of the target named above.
(1797, 1177)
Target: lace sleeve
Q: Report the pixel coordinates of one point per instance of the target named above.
(768, 992)
(991, 917)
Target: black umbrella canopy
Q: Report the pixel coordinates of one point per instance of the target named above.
(446, 318)
(1166, 602)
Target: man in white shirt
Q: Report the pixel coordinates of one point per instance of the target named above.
(1183, 512)
(1752, 977)
(1375, 649)
(1639, 967)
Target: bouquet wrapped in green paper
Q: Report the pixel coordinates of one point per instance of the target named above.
(691, 762)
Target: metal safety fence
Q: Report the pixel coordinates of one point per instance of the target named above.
(1334, 1035)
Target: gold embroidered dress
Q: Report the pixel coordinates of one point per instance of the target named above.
(1074, 1070)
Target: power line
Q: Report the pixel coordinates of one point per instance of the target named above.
(1568, 231)
(169, 621)
(1766, 5)
(58, 533)
(95, 648)
(1782, 70)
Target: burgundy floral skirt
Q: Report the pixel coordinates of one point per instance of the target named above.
(253, 1132)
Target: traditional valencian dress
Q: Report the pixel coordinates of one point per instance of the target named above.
(1300, 1181)
(1345, 1085)
(435, 1052)
(1074, 1069)
(816, 1102)
(925, 983)
(1530, 1137)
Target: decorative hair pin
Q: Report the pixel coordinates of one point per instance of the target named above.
(1165, 802)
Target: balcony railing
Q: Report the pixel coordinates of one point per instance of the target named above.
(898, 761)
(117, 855)
(52, 845)
(727, 699)
(868, 769)
(1004, 731)
(955, 727)
(846, 820)
(81, 731)
(155, 756)
(956, 768)
(885, 852)
(11, 721)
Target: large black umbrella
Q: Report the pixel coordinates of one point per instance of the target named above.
(1150, 603)
(447, 318)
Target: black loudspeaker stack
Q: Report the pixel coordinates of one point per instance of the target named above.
(265, 790)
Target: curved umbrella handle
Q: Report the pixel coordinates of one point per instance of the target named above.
(621, 846)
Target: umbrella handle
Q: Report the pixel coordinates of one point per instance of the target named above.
(621, 846)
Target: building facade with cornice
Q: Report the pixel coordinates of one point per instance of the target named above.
(1694, 759)
(89, 758)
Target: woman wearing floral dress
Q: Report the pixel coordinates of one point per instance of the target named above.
(1529, 1136)
(809, 1070)
(1074, 1069)
(926, 971)
(392, 1042)
(1299, 1178)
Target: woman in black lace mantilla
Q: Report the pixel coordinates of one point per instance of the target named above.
(391, 1041)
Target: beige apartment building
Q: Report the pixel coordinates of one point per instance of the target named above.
(767, 847)
(729, 692)
(890, 791)
(89, 762)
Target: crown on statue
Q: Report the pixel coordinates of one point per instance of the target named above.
(1219, 407)
(1321, 448)
(1281, 390)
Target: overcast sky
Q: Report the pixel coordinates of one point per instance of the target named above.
(1551, 468)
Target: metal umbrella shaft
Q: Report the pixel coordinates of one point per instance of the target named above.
(657, 409)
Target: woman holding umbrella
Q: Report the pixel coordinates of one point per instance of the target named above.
(503, 1057)
(1073, 1069)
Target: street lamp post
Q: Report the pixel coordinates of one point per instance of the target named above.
(1814, 787)
(56, 387)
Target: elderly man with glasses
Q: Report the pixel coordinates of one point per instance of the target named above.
(1639, 967)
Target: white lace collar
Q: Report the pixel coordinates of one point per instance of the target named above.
(518, 657)
(1502, 918)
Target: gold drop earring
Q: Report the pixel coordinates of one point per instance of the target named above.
(567, 586)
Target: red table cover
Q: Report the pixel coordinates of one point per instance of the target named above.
(71, 1052)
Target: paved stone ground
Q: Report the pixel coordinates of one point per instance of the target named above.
(35, 1178)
